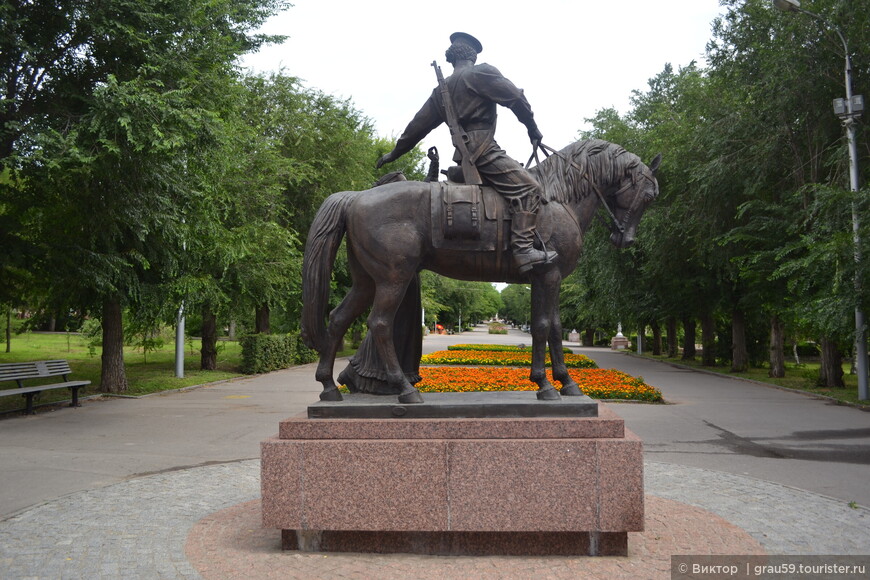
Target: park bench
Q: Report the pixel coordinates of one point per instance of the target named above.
(20, 372)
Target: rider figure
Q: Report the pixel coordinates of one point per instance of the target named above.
(475, 90)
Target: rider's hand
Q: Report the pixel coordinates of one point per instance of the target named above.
(387, 158)
(535, 136)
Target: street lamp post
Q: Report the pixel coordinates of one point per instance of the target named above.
(848, 110)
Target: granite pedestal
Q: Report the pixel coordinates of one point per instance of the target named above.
(516, 485)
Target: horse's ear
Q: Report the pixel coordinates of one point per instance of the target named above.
(654, 164)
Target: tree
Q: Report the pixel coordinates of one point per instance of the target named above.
(747, 226)
(517, 299)
(107, 110)
(299, 146)
(780, 148)
(460, 301)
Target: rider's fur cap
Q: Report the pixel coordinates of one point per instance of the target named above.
(464, 38)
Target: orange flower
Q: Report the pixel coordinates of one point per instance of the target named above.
(499, 358)
(597, 383)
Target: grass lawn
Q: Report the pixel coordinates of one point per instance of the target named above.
(799, 377)
(146, 373)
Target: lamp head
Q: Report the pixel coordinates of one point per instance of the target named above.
(787, 5)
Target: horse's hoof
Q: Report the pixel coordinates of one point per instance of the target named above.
(411, 397)
(331, 395)
(548, 395)
(571, 391)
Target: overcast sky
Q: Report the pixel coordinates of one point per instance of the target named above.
(572, 57)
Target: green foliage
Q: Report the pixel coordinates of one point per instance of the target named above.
(262, 353)
(754, 216)
(109, 116)
(92, 332)
(517, 300)
(447, 300)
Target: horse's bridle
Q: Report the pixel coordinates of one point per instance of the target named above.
(614, 226)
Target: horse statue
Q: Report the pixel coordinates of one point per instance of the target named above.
(395, 230)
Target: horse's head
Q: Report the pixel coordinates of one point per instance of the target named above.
(629, 200)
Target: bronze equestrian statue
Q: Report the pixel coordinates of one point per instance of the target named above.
(463, 231)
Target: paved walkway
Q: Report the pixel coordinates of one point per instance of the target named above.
(140, 529)
(108, 518)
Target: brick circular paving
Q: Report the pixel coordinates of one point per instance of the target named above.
(204, 523)
(230, 544)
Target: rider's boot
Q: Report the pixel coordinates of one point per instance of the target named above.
(526, 256)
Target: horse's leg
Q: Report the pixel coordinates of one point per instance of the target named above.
(543, 282)
(557, 354)
(388, 296)
(355, 302)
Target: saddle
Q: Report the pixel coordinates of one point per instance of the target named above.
(472, 218)
(467, 217)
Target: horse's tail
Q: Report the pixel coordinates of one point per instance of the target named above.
(324, 238)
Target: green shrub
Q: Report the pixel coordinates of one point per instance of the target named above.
(302, 355)
(262, 353)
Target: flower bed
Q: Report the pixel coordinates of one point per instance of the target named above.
(499, 348)
(597, 383)
(499, 358)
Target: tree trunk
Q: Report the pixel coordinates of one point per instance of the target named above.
(657, 338)
(9, 329)
(777, 348)
(262, 322)
(708, 339)
(739, 352)
(208, 352)
(688, 338)
(589, 337)
(231, 334)
(831, 371)
(673, 342)
(113, 376)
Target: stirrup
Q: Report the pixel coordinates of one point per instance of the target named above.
(535, 258)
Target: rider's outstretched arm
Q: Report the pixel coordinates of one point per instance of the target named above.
(426, 119)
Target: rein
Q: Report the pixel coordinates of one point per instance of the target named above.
(615, 226)
(546, 149)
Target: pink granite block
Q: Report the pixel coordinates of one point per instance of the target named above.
(621, 483)
(281, 483)
(375, 485)
(609, 544)
(456, 482)
(523, 485)
(606, 425)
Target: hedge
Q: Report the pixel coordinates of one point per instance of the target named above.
(262, 353)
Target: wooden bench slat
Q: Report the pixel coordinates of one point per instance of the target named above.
(19, 372)
(45, 368)
(24, 390)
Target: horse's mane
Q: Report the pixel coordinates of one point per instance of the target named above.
(566, 177)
